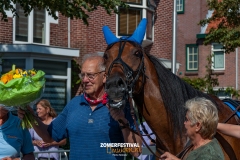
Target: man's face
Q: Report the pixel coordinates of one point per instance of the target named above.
(93, 78)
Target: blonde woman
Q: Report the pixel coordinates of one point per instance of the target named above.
(201, 123)
(46, 114)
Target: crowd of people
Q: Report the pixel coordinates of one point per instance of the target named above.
(87, 121)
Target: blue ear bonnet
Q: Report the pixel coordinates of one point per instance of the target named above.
(137, 35)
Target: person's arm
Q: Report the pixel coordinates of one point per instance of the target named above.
(40, 128)
(129, 137)
(229, 129)
(54, 143)
(61, 143)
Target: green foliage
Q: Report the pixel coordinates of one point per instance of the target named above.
(78, 9)
(210, 79)
(76, 68)
(227, 16)
(197, 83)
(232, 92)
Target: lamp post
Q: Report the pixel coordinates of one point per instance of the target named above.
(174, 51)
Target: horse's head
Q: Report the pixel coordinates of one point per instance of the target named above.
(124, 65)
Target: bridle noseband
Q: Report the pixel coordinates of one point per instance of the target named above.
(129, 73)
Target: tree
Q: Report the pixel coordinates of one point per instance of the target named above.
(226, 16)
(78, 9)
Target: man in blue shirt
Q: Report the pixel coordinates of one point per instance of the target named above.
(87, 121)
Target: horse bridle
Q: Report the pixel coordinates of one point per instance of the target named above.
(130, 84)
(129, 73)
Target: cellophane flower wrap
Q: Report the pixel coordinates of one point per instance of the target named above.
(18, 88)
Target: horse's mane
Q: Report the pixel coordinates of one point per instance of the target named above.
(175, 92)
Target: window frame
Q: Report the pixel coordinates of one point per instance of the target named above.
(183, 7)
(134, 3)
(30, 29)
(144, 7)
(213, 57)
(187, 57)
(130, 8)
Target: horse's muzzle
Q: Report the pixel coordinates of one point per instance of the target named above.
(116, 89)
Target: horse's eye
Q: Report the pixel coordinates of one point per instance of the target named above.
(138, 53)
(105, 56)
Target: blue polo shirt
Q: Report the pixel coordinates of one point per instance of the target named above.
(86, 129)
(14, 139)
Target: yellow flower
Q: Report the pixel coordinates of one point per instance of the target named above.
(32, 72)
(17, 76)
(25, 73)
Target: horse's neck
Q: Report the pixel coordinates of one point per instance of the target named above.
(151, 106)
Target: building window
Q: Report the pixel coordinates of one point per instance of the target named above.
(31, 29)
(39, 26)
(218, 57)
(128, 19)
(180, 6)
(222, 93)
(192, 57)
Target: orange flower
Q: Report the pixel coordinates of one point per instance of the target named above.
(6, 77)
(18, 71)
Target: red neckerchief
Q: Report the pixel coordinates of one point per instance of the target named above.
(103, 100)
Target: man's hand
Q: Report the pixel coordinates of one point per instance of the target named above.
(21, 113)
(38, 143)
(45, 144)
(116, 113)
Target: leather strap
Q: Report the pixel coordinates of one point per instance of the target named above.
(226, 146)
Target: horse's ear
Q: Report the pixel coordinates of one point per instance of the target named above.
(139, 33)
(109, 36)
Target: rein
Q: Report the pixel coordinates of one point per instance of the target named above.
(138, 130)
(226, 146)
(130, 81)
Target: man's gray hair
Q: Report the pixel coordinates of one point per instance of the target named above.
(89, 56)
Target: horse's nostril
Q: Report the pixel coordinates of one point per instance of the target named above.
(120, 82)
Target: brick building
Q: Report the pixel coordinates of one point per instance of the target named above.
(38, 41)
(192, 54)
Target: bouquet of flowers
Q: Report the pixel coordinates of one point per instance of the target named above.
(18, 88)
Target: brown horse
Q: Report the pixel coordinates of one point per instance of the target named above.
(158, 93)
